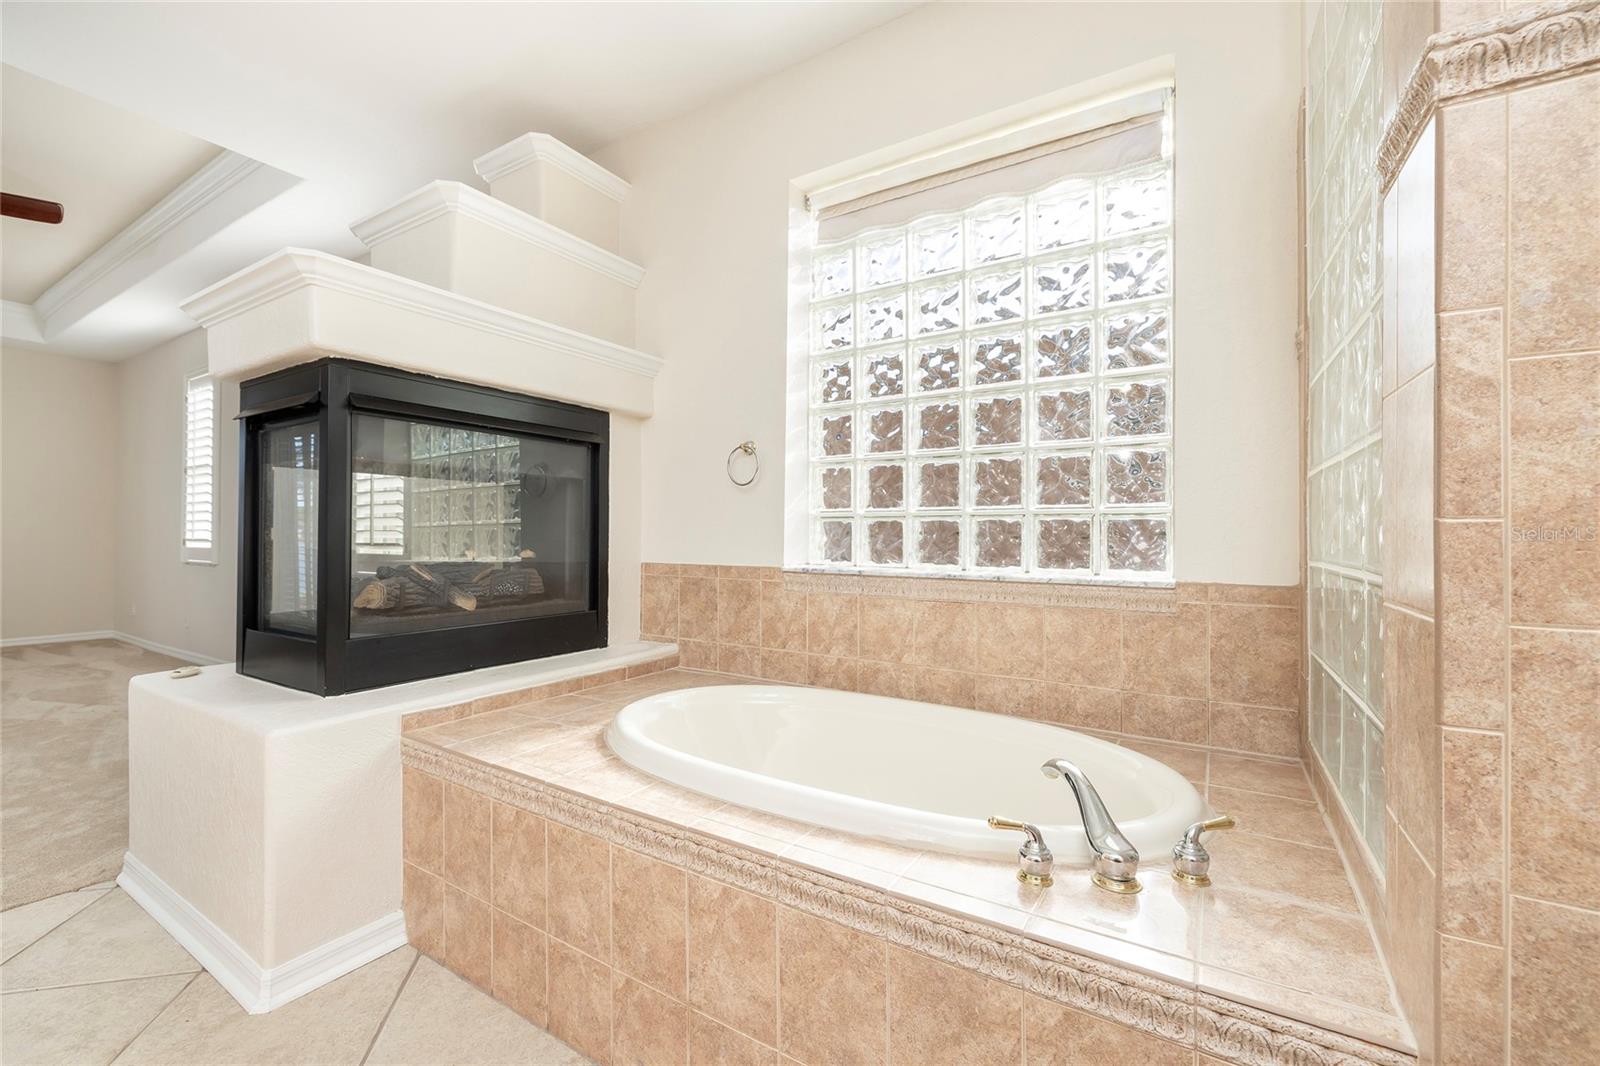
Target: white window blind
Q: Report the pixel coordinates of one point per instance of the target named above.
(991, 367)
(199, 469)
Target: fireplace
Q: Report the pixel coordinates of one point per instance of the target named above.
(395, 527)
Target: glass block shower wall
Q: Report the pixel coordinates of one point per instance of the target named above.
(1343, 585)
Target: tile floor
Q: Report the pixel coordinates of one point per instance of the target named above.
(88, 978)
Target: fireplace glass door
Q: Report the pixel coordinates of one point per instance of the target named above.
(288, 507)
(456, 526)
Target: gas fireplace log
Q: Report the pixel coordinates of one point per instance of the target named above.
(400, 587)
(438, 588)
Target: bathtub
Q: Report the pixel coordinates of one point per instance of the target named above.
(918, 774)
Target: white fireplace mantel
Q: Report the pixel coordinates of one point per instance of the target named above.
(298, 304)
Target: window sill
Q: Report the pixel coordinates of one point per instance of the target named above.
(199, 562)
(1158, 583)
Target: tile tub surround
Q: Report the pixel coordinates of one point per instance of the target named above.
(622, 910)
(1216, 666)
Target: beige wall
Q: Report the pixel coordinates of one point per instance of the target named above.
(159, 597)
(58, 485)
(708, 219)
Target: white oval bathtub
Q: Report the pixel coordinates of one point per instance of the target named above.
(914, 773)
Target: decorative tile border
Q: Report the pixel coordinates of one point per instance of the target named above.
(1530, 46)
(1163, 1008)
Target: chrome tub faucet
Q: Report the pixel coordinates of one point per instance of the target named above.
(1116, 860)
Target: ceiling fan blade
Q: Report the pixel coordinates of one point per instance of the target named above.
(30, 209)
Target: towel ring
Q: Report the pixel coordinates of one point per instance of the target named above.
(747, 448)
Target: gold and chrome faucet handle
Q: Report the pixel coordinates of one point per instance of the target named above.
(1034, 861)
(1191, 862)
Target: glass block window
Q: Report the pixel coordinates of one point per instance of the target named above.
(1344, 610)
(991, 389)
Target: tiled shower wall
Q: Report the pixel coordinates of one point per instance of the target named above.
(1210, 665)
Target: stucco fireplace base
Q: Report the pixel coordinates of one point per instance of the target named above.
(264, 823)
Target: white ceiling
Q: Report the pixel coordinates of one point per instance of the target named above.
(365, 102)
(105, 165)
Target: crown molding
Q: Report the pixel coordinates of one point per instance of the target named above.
(440, 198)
(1533, 45)
(543, 148)
(20, 322)
(225, 171)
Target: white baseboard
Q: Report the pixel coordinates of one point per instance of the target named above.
(113, 634)
(257, 989)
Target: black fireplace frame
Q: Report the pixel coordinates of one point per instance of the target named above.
(332, 391)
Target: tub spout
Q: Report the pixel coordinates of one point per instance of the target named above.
(1116, 860)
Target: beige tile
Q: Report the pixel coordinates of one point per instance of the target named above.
(1472, 631)
(1301, 872)
(1472, 1003)
(738, 659)
(1060, 1036)
(791, 667)
(648, 1028)
(1408, 491)
(440, 1018)
(1413, 956)
(739, 612)
(1555, 982)
(886, 628)
(1411, 748)
(422, 896)
(1415, 266)
(478, 724)
(521, 957)
(1164, 917)
(941, 1014)
(972, 876)
(109, 940)
(525, 736)
(733, 968)
(832, 987)
(1471, 358)
(672, 804)
(1287, 779)
(1083, 646)
(85, 1023)
(712, 1044)
(1008, 695)
(1255, 655)
(1078, 707)
(1472, 835)
(1389, 318)
(783, 618)
(1009, 640)
(943, 635)
(831, 624)
(649, 902)
(952, 688)
(335, 1023)
(466, 840)
(580, 1001)
(611, 780)
(579, 902)
(422, 806)
(1258, 595)
(1554, 493)
(887, 679)
(1555, 790)
(1472, 206)
(1292, 944)
(468, 937)
(1165, 717)
(658, 605)
(698, 654)
(1297, 821)
(1554, 177)
(876, 854)
(1166, 654)
(21, 926)
(824, 671)
(1190, 762)
(697, 608)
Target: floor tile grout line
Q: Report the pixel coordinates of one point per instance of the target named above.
(58, 925)
(71, 917)
(107, 981)
(123, 1050)
(384, 1021)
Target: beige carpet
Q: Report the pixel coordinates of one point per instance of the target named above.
(64, 764)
